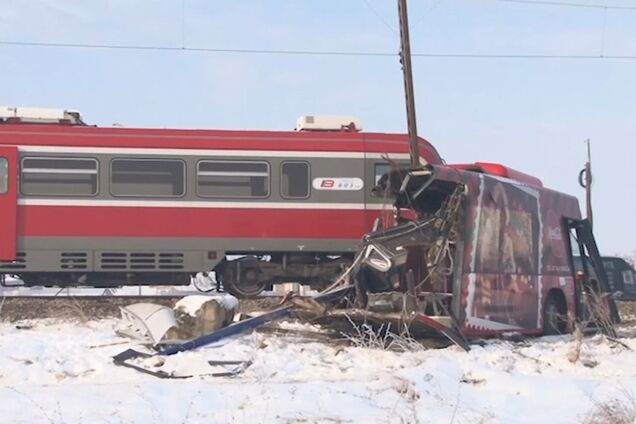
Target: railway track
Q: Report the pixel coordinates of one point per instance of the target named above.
(87, 307)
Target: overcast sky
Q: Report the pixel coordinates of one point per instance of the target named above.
(531, 114)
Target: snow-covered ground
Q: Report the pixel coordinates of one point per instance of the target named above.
(14, 288)
(199, 283)
(61, 372)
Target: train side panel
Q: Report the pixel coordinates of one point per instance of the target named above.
(152, 201)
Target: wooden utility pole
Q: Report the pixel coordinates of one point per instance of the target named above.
(405, 60)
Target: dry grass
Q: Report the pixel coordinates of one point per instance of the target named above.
(600, 316)
(613, 411)
(382, 338)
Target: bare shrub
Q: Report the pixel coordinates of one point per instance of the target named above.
(614, 411)
(600, 315)
(381, 338)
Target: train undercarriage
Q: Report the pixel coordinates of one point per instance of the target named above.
(243, 276)
(248, 276)
(102, 279)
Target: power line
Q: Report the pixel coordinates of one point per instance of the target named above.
(196, 49)
(426, 13)
(380, 18)
(569, 4)
(315, 52)
(524, 56)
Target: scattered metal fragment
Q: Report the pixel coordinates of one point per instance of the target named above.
(122, 358)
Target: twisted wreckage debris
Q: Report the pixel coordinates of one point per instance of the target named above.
(365, 298)
(421, 274)
(167, 348)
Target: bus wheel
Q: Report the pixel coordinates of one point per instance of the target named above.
(554, 315)
(243, 278)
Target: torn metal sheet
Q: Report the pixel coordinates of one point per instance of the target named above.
(123, 358)
(147, 321)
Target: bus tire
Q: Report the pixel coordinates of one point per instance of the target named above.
(554, 314)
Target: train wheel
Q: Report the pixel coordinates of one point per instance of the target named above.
(243, 278)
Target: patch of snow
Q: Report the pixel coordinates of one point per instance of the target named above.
(63, 372)
(299, 326)
(191, 304)
(14, 288)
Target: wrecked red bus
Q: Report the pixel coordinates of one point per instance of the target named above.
(489, 250)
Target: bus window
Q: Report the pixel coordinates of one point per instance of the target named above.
(574, 244)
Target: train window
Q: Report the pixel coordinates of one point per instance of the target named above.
(294, 180)
(230, 178)
(380, 170)
(4, 168)
(147, 177)
(58, 176)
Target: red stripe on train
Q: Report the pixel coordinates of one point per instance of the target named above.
(86, 221)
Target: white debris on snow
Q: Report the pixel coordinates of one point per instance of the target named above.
(146, 320)
(60, 372)
(298, 326)
(191, 304)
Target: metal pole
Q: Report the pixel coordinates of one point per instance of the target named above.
(405, 60)
(585, 180)
(588, 184)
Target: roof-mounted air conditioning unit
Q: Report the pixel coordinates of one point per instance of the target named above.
(40, 115)
(328, 123)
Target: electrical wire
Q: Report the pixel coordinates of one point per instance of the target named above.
(315, 52)
(380, 18)
(195, 49)
(569, 4)
(426, 14)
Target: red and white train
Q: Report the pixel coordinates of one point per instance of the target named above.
(84, 205)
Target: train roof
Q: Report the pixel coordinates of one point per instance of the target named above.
(92, 136)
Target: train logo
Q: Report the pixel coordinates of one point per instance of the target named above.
(351, 184)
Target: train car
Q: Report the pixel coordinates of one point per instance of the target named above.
(621, 276)
(96, 206)
(490, 251)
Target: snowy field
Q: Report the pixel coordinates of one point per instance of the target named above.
(62, 372)
(15, 288)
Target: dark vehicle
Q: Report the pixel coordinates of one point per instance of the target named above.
(621, 276)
